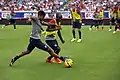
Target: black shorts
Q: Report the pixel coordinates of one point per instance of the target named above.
(77, 25)
(37, 43)
(95, 22)
(112, 20)
(53, 44)
(118, 20)
(12, 21)
(101, 21)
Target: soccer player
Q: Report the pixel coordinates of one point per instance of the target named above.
(35, 40)
(11, 20)
(101, 17)
(77, 23)
(113, 18)
(95, 21)
(117, 23)
(50, 35)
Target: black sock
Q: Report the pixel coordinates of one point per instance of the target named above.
(79, 34)
(16, 58)
(116, 27)
(91, 26)
(14, 26)
(73, 32)
(57, 52)
(60, 36)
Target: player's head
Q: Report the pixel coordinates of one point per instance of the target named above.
(58, 16)
(41, 15)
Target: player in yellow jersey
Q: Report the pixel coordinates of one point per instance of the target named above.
(50, 37)
(77, 22)
(101, 17)
(117, 23)
(113, 15)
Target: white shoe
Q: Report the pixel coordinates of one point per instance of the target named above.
(3, 26)
(90, 29)
(118, 30)
(110, 29)
(73, 40)
(79, 40)
(114, 32)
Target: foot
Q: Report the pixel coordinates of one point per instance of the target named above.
(90, 29)
(3, 26)
(79, 40)
(58, 61)
(110, 29)
(12, 62)
(14, 29)
(118, 30)
(114, 32)
(49, 61)
(73, 40)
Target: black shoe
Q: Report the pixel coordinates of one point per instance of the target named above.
(11, 62)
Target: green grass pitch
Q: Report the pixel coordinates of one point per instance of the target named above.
(97, 57)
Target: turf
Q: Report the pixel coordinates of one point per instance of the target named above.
(97, 57)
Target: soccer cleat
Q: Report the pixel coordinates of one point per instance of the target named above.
(49, 61)
(90, 29)
(73, 40)
(58, 61)
(79, 40)
(114, 32)
(110, 29)
(12, 62)
(3, 26)
(118, 29)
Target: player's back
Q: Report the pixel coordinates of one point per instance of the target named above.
(36, 30)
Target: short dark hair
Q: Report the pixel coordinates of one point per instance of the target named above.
(42, 13)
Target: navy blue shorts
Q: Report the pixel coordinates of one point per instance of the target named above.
(12, 21)
(53, 44)
(77, 25)
(118, 21)
(112, 20)
(37, 43)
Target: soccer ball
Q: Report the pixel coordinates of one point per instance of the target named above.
(68, 63)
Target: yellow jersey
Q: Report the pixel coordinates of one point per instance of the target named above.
(118, 12)
(76, 15)
(101, 14)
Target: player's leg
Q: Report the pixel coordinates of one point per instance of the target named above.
(6, 24)
(79, 31)
(54, 45)
(116, 26)
(60, 36)
(73, 31)
(112, 21)
(14, 23)
(44, 47)
(102, 23)
(31, 46)
(97, 24)
(91, 25)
